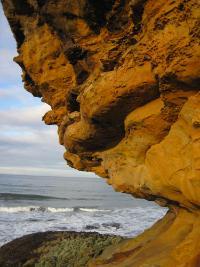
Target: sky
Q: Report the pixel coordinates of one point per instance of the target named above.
(27, 145)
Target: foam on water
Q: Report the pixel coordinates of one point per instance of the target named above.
(18, 221)
(92, 210)
(55, 210)
(47, 209)
(30, 209)
(30, 204)
(14, 209)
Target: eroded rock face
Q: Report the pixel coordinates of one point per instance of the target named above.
(122, 79)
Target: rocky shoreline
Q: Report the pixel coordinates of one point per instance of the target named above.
(49, 249)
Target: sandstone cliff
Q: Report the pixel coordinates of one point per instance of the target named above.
(122, 79)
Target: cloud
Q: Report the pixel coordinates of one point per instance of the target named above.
(15, 96)
(23, 117)
(28, 146)
(25, 139)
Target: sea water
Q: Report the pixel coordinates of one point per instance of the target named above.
(31, 204)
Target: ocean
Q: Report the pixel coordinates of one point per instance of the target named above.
(31, 204)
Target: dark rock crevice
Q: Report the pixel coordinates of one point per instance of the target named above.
(95, 13)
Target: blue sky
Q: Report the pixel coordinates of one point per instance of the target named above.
(26, 145)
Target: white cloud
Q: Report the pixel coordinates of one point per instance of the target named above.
(28, 116)
(29, 137)
(25, 139)
(16, 93)
(28, 146)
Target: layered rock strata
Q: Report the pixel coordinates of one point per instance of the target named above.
(122, 79)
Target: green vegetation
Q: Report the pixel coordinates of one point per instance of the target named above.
(75, 251)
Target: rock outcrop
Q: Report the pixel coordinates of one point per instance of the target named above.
(122, 79)
(50, 249)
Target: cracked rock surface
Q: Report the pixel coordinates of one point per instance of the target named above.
(122, 79)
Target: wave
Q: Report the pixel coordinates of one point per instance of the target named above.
(54, 210)
(92, 210)
(47, 209)
(15, 196)
(33, 209)
(14, 209)
(114, 211)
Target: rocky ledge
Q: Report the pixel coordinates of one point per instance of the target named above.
(51, 249)
(122, 79)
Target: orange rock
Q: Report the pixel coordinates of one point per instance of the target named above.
(122, 79)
